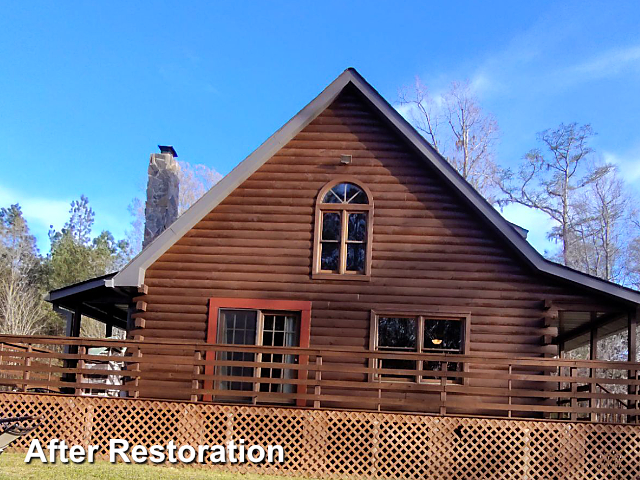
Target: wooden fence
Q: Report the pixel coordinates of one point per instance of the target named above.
(594, 391)
(345, 444)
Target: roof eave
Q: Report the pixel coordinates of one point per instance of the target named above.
(55, 295)
(133, 274)
(522, 247)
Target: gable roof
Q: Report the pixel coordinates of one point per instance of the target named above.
(133, 274)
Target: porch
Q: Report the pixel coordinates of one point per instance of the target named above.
(548, 389)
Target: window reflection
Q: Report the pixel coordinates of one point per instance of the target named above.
(355, 257)
(442, 335)
(437, 336)
(346, 193)
(399, 335)
(330, 256)
(357, 226)
(331, 226)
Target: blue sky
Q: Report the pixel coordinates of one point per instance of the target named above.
(88, 89)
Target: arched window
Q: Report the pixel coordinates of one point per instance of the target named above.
(343, 231)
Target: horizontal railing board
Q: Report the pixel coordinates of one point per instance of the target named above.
(327, 351)
(347, 377)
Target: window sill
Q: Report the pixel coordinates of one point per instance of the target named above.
(341, 277)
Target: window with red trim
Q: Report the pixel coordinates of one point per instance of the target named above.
(268, 323)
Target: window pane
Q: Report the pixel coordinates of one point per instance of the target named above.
(397, 333)
(437, 366)
(240, 320)
(331, 197)
(236, 371)
(341, 191)
(357, 227)
(237, 327)
(355, 194)
(355, 257)
(346, 193)
(282, 332)
(443, 335)
(331, 226)
(397, 365)
(330, 256)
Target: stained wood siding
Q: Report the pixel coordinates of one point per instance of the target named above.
(429, 249)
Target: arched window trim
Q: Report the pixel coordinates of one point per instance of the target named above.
(316, 272)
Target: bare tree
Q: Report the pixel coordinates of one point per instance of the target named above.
(135, 234)
(633, 246)
(634, 262)
(21, 307)
(194, 181)
(550, 180)
(425, 114)
(458, 128)
(604, 225)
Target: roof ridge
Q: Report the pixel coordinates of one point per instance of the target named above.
(133, 273)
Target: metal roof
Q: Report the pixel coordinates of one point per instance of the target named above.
(133, 274)
(79, 287)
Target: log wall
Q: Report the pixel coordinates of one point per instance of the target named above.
(430, 251)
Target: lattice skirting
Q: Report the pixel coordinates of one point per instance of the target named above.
(341, 444)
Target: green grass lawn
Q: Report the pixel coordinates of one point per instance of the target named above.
(12, 466)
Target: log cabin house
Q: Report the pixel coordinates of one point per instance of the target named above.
(346, 264)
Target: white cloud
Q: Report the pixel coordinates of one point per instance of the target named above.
(40, 213)
(482, 84)
(535, 221)
(607, 64)
(628, 163)
(516, 64)
(406, 110)
(523, 63)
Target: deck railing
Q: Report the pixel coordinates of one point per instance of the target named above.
(546, 388)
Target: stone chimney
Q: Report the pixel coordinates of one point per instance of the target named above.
(161, 208)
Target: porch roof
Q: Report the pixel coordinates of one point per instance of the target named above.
(94, 299)
(575, 328)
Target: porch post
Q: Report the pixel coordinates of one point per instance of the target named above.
(593, 339)
(593, 355)
(73, 330)
(631, 334)
(75, 323)
(632, 323)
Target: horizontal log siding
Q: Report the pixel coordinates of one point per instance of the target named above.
(430, 251)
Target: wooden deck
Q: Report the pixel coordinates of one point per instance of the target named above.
(332, 378)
